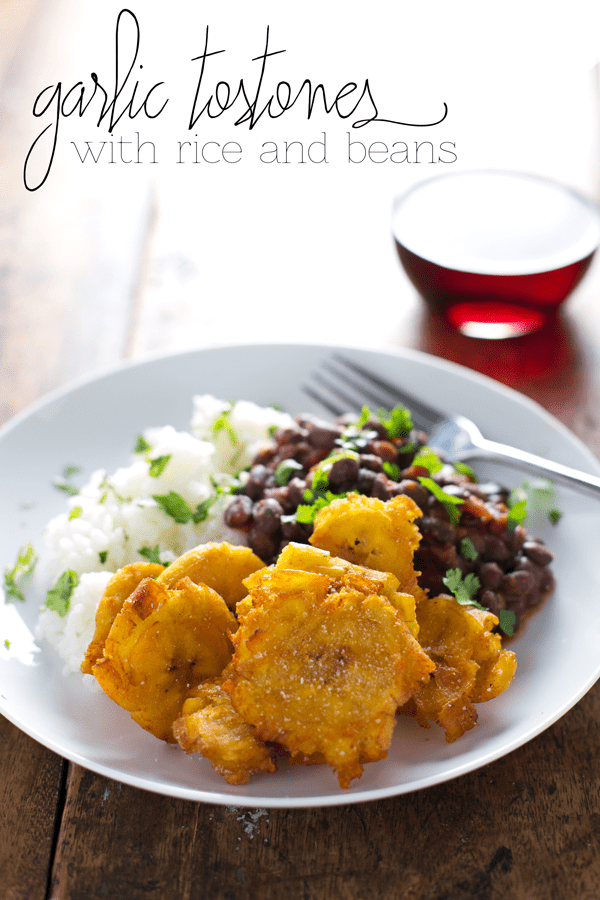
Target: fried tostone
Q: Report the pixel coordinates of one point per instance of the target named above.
(373, 533)
(209, 725)
(471, 665)
(223, 567)
(342, 575)
(119, 588)
(321, 670)
(161, 644)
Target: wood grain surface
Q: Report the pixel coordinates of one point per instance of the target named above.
(526, 827)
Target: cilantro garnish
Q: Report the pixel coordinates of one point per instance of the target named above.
(174, 506)
(157, 465)
(464, 469)
(7, 643)
(392, 471)
(150, 553)
(427, 458)
(26, 560)
(58, 597)
(141, 445)
(75, 512)
(539, 495)
(464, 590)
(103, 556)
(507, 619)
(315, 500)
(450, 502)
(66, 488)
(397, 421)
(201, 512)
(222, 423)
(467, 548)
(71, 470)
(285, 471)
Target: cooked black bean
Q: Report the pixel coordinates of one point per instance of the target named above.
(537, 552)
(238, 514)
(490, 575)
(518, 583)
(371, 461)
(323, 436)
(342, 470)
(267, 515)
(437, 530)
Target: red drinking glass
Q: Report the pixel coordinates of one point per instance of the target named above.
(495, 252)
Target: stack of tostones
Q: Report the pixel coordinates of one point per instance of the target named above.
(311, 658)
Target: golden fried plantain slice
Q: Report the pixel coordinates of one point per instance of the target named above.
(320, 670)
(162, 643)
(342, 574)
(119, 588)
(209, 725)
(373, 533)
(223, 567)
(471, 665)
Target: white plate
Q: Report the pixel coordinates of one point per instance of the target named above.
(93, 424)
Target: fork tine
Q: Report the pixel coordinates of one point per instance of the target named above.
(325, 402)
(424, 416)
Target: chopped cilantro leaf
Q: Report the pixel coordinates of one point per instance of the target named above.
(397, 421)
(306, 512)
(450, 502)
(7, 643)
(464, 589)
(272, 430)
(464, 469)
(554, 515)
(392, 470)
(66, 488)
(141, 445)
(174, 505)
(200, 514)
(467, 549)
(157, 465)
(71, 470)
(103, 556)
(75, 512)
(285, 471)
(537, 495)
(517, 512)
(26, 560)
(58, 597)
(507, 619)
(427, 458)
(222, 423)
(150, 553)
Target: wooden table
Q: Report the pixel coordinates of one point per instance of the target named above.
(109, 268)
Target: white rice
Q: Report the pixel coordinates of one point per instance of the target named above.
(115, 516)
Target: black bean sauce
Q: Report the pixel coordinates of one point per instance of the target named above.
(511, 565)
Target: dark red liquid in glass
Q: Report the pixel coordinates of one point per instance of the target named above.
(495, 252)
(516, 303)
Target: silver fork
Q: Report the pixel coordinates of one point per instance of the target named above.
(348, 386)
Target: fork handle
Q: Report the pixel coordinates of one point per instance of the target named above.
(520, 459)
